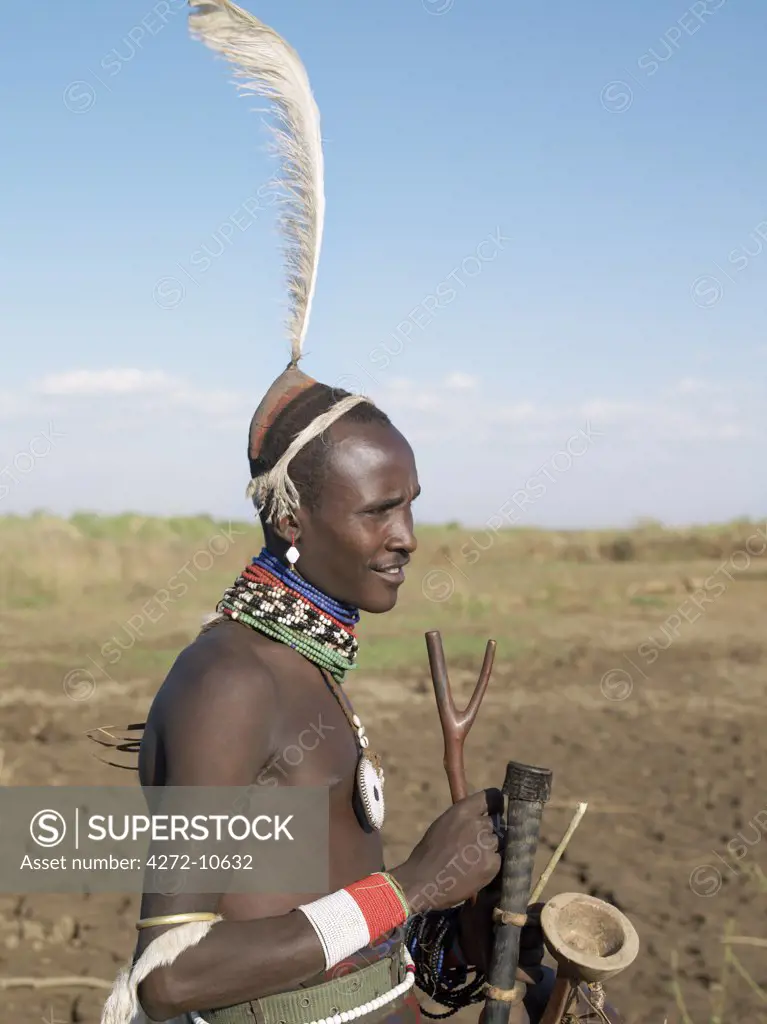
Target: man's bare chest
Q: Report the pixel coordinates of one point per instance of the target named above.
(313, 740)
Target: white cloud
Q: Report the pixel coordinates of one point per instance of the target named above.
(437, 397)
(400, 384)
(523, 412)
(405, 395)
(695, 386)
(460, 382)
(106, 382)
(146, 391)
(13, 405)
(732, 430)
(452, 401)
(113, 416)
(609, 411)
(216, 404)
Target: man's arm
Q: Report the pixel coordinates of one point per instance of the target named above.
(219, 719)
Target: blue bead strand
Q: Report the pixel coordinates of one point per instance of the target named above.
(343, 612)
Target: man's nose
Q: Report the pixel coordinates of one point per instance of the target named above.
(402, 537)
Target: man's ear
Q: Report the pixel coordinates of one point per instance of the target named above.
(288, 529)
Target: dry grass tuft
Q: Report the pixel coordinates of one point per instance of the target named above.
(732, 966)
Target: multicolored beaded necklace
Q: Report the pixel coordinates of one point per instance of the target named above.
(277, 601)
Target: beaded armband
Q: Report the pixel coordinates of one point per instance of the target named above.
(431, 939)
(357, 915)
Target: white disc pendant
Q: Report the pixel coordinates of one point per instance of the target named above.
(370, 789)
(292, 555)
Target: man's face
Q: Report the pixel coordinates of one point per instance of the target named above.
(355, 544)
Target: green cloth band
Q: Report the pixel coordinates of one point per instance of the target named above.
(320, 1001)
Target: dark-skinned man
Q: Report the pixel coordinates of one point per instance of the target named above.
(242, 694)
(333, 482)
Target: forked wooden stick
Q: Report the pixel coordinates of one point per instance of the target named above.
(456, 724)
(455, 728)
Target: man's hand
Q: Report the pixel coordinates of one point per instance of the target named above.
(476, 929)
(438, 873)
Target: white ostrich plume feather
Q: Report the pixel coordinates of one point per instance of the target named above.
(267, 66)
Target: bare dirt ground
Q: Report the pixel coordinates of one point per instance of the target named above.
(671, 756)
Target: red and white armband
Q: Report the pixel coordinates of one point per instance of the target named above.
(357, 915)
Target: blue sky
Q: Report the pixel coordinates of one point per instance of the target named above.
(564, 205)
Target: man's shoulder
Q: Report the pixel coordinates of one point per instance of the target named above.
(220, 697)
(220, 665)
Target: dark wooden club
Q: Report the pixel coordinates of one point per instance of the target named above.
(526, 788)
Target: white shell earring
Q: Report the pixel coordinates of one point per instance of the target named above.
(292, 553)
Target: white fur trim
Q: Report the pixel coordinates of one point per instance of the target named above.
(122, 1006)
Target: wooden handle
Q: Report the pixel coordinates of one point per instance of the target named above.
(456, 724)
(559, 1000)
